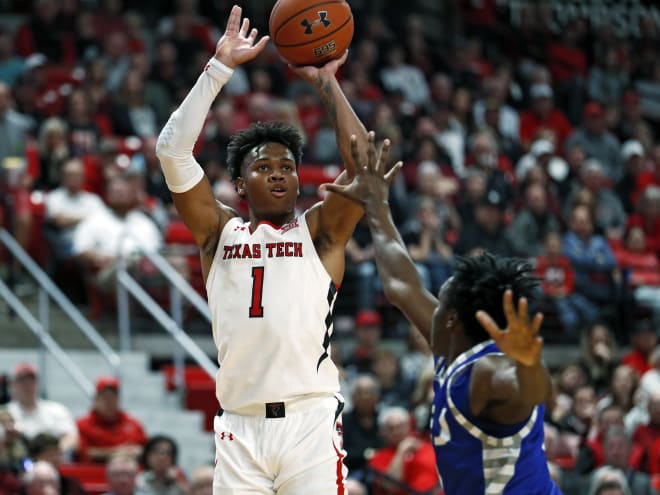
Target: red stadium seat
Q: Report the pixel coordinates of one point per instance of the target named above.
(192, 375)
(201, 397)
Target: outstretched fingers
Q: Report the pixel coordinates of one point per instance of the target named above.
(523, 317)
(489, 325)
(261, 44)
(383, 157)
(245, 27)
(234, 20)
(355, 153)
(509, 311)
(537, 321)
(393, 172)
(336, 188)
(371, 151)
(523, 314)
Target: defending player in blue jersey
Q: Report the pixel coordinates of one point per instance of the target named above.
(490, 384)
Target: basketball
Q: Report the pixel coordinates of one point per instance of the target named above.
(311, 32)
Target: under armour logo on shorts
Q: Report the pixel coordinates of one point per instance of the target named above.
(275, 409)
(228, 436)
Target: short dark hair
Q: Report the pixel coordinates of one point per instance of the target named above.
(261, 133)
(41, 443)
(151, 445)
(479, 283)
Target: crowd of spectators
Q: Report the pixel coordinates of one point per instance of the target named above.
(40, 438)
(516, 123)
(526, 128)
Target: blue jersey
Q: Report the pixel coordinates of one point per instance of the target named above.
(476, 457)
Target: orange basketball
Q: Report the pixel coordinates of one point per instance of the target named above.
(311, 32)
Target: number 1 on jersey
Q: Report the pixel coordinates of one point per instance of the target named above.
(256, 309)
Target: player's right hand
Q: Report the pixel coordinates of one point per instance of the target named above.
(520, 340)
(236, 46)
(316, 75)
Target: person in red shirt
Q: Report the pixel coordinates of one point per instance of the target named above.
(368, 332)
(107, 430)
(542, 117)
(649, 176)
(557, 283)
(642, 267)
(648, 217)
(407, 463)
(591, 454)
(643, 341)
(647, 437)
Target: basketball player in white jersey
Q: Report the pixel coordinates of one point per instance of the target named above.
(271, 284)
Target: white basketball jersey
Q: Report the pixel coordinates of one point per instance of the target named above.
(271, 301)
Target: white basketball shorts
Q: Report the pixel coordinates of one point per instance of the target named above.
(298, 454)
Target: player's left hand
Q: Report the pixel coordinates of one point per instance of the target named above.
(520, 339)
(370, 183)
(237, 45)
(313, 74)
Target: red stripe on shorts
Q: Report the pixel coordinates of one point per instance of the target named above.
(340, 475)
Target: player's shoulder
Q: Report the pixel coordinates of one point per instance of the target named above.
(493, 378)
(493, 362)
(492, 371)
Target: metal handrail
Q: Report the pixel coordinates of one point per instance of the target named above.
(175, 278)
(179, 288)
(53, 347)
(168, 323)
(62, 301)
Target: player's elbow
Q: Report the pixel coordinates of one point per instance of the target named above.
(165, 144)
(163, 149)
(394, 291)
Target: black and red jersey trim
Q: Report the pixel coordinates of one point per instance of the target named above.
(332, 293)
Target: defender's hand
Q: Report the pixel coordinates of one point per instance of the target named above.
(520, 340)
(236, 46)
(370, 183)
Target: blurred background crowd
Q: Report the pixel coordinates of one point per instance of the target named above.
(529, 129)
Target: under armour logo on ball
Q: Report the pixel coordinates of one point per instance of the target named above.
(323, 19)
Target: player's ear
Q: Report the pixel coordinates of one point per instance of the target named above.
(452, 318)
(240, 186)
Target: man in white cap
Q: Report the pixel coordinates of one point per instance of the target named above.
(628, 188)
(34, 415)
(542, 117)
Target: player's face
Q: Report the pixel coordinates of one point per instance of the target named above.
(270, 182)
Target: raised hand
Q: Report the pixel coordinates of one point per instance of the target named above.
(236, 46)
(370, 183)
(520, 340)
(313, 75)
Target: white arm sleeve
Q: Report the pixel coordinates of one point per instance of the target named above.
(177, 139)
